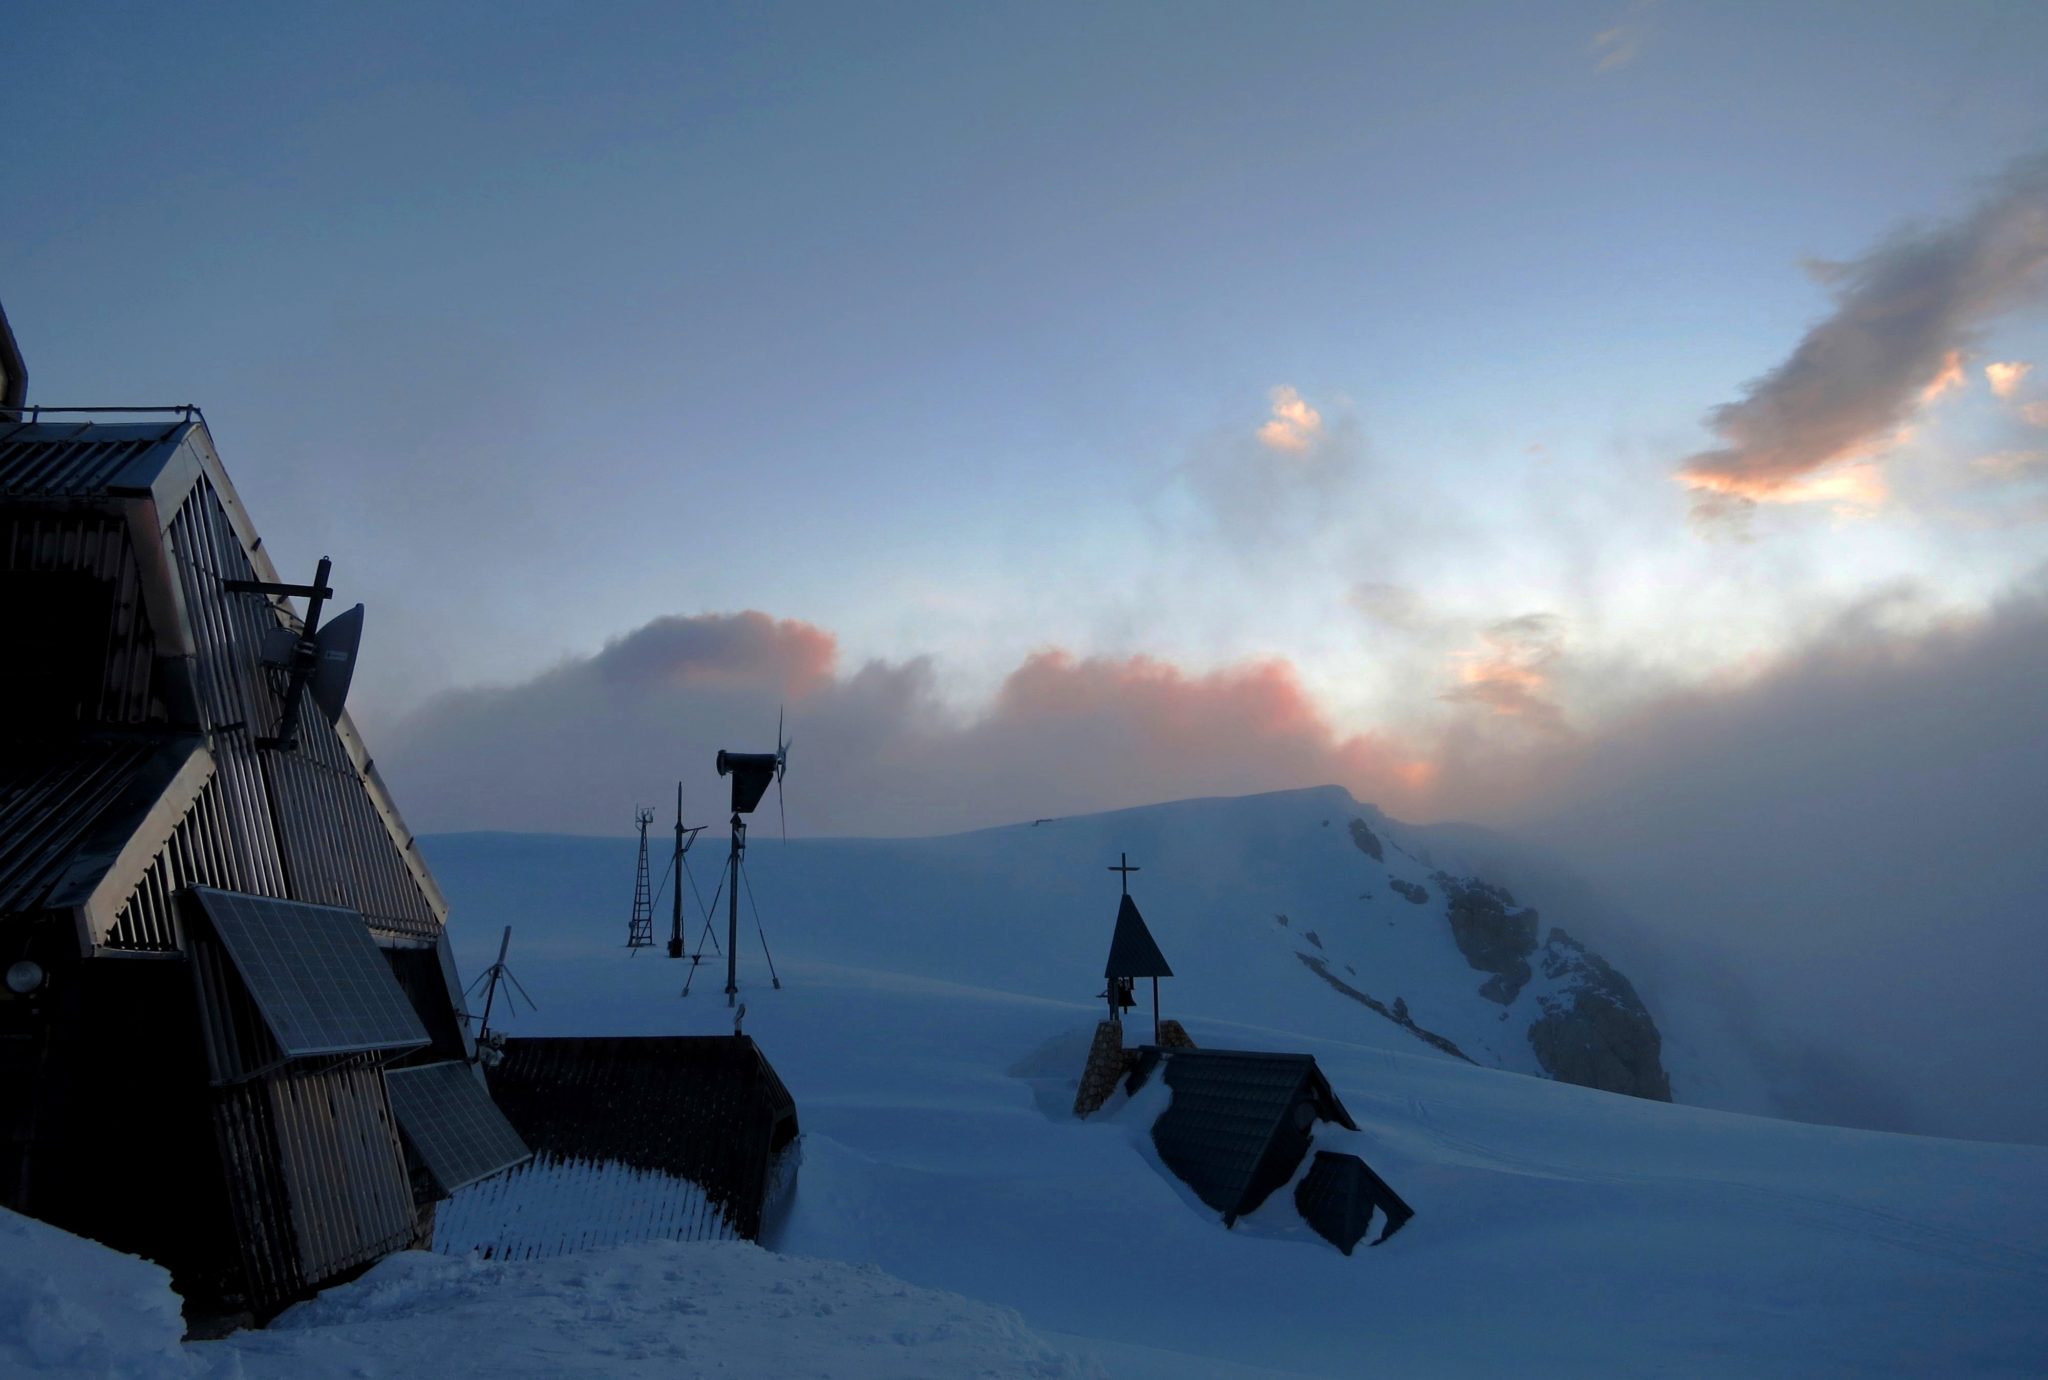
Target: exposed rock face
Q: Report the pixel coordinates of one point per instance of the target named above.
(1418, 894)
(1598, 1034)
(1108, 1062)
(1368, 842)
(1494, 935)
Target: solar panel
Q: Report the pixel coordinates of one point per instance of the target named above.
(452, 1124)
(315, 973)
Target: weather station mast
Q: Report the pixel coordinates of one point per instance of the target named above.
(751, 773)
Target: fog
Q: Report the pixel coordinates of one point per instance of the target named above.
(1854, 839)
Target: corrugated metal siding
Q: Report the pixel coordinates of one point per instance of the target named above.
(351, 1196)
(246, 1129)
(239, 1045)
(340, 852)
(237, 705)
(49, 803)
(62, 541)
(82, 459)
(200, 852)
(321, 837)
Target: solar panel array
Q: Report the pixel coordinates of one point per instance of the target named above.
(316, 975)
(452, 1124)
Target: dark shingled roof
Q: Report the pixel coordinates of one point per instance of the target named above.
(1132, 951)
(1335, 1199)
(1240, 1120)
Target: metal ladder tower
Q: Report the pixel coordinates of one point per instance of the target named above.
(640, 931)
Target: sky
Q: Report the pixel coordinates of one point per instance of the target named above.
(1255, 395)
(1620, 424)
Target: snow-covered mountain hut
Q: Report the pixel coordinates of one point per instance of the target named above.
(223, 952)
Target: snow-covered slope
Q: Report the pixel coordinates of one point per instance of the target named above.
(936, 1006)
(936, 1003)
(1299, 910)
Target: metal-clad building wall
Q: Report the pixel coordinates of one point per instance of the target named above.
(54, 541)
(237, 706)
(351, 1195)
(323, 838)
(200, 852)
(339, 851)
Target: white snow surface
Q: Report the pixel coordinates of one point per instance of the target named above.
(932, 1022)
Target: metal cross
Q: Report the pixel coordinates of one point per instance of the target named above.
(1124, 866)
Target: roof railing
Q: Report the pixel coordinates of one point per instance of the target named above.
(33, 411)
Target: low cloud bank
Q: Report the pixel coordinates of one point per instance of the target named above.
(1854, 834)
(875, 751)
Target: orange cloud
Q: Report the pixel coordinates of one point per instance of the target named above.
(1294, 425)
(1946, 380)
(1509, 672)
(1856, 488)
(2004, 377)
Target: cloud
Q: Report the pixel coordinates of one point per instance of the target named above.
(1950, 378)
(2035, 414)
(1294, 425)
(1388, 605)
(1855, 830)
(1905, 316)
(575, 748)
(1272, 494)
(1509, 671)
(2012, 464)
(741, 651)
(1617, 46)
(1852, 829)
(2005, 377)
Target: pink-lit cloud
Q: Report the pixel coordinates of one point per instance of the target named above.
(1509, 672)
(574, 748)
(1294, 426)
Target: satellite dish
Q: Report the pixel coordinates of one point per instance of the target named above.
(334, 664)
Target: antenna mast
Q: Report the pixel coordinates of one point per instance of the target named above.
(684, 838)
(640, 929)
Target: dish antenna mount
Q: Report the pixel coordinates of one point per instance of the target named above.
(317, 660)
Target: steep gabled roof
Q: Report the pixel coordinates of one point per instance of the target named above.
(1239, 1122)
(1133, 953)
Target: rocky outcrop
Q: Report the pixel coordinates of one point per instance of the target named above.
(1368, 842)
(1494, 934)
(1596, 1032)
(1108, 1062)
(1419, 895)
